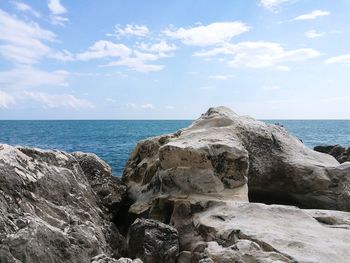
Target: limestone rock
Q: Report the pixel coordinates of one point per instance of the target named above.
(153, 241)
(105, 259)
(337, 151)
(99, 174)
(48, 210)
(221, 150)
(274, 232)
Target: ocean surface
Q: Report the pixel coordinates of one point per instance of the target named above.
(114, 140)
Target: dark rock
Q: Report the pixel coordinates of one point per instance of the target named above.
(153, 241)
(110, 191)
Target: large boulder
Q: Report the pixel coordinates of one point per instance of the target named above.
(200, 180)
(48, 210)
(244, 231)
(337, 151)
(221, 153)
(153, 241)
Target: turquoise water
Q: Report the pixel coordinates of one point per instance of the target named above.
(114, 140)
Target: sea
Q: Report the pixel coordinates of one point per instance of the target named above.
(114, 140)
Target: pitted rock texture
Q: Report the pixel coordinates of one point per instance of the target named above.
(153, 241)
(198, 180)
(337, 151)
(223, 152)
(48, 210)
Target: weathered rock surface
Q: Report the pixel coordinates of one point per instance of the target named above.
(197, 180)
(337, 151)
(49, 212)
(219, 152)
(153, 241)
(105, 259)
(289, 234)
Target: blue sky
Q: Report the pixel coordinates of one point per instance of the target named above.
(82, 59)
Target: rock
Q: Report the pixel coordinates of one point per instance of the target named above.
(105, 259)
(48, 210)
(198, 180)
(219, 152)
(108, 188)
(184, 257)
(266, 232)
(338, 152)
(153, 241)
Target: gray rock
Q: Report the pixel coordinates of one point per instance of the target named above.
(105, 259)
(219, 152)
(198, 179)
(153, 241)
(265, 232)
(48, 210)
(337, 151)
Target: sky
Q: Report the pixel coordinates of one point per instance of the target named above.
(133, 59)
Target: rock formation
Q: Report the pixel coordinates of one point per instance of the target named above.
(193, 196)
(49, 211)
(337, 151)
(199, 180)
(153, 241)
(219, 152)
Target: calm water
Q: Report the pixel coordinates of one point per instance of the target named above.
(114, 140)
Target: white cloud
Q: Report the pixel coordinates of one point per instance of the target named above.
(169, 107)
(132, 30)
(343, 59)
(137, 61)
(59, 100)
(220, 77)
(147, 106)
(6, 99)
(259, 54)
(20, 6)
(57, 10)
(103, 49)
(314, 34)
(272, 4)
(56, 7)
(27, 77)
(211, 34)
(312, 15)
(160, 47)
(23, 41)
(130, 58)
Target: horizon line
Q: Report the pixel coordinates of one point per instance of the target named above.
(265, 119)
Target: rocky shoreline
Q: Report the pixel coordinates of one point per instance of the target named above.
(228, 188)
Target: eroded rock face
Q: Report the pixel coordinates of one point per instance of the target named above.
(105, 259)
(197, 181)
(219, 152)
(244, 231)
(48, 210)
(337, 151)
(153, 241)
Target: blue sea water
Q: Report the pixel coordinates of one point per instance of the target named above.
(114, 140)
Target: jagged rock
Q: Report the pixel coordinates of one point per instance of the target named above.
(153, 241)
(48, 210)
(108, 187)
(105, 259)
(284, 233)
(198, 179)
(220, 150)
(337, 151)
